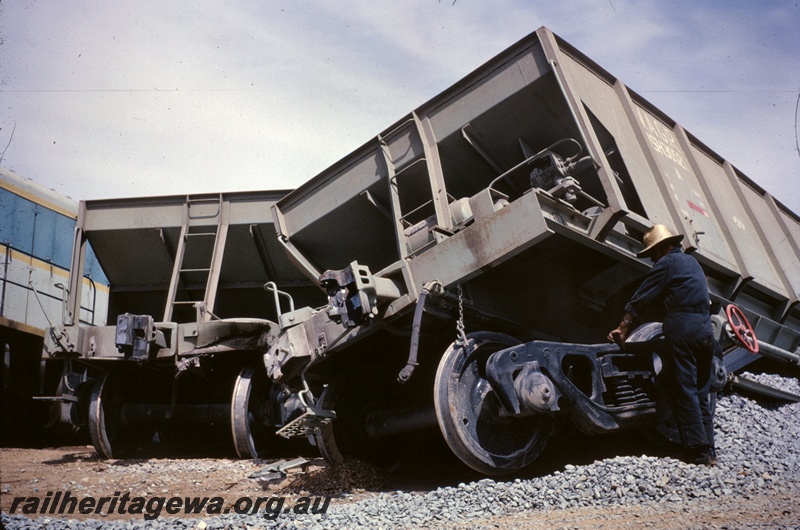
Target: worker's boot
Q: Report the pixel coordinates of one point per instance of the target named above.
(700, 456)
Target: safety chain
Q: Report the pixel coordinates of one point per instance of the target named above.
(461, 339)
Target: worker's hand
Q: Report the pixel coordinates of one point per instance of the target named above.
(621, 333)
(618, 336)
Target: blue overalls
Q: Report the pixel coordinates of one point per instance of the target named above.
(677, 283)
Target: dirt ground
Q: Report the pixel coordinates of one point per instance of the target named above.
(757, 512)
(34, 472)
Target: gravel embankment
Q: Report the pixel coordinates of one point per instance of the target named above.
(759, 456)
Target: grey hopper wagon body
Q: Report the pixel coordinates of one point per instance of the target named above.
(459, 272)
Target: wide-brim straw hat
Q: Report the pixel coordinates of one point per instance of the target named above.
(655, 236)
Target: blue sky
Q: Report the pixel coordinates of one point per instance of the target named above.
(120, 98)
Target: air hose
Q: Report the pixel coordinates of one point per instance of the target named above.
(411, 363)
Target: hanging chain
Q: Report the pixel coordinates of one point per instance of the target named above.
(461, 339)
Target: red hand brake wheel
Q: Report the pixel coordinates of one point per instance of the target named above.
(741, 328)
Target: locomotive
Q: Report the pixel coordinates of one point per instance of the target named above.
(35, 232)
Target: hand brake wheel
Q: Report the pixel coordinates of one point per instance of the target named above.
(741, 328)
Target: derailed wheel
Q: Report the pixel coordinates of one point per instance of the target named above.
(354, 395)
(249, 409)
(469, 412)
(111, 435)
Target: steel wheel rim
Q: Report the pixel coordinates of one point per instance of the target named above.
(111, 437)
(250, 436)
(475, 433)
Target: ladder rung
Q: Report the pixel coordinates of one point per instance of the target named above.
(204, 201)
(195, 211)
(407, 167)
(415, 210)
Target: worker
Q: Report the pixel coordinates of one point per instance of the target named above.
(676, 290)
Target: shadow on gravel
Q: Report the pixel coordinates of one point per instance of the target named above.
(433, 465)
(85, 456)
(575, 448)
(429, 464)
(422, 463)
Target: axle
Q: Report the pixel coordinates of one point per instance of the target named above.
(393, 422)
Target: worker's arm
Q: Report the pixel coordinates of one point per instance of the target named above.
(621, 333)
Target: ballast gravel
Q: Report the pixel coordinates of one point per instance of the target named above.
(759, 455)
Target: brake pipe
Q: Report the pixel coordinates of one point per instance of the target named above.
(405, 374)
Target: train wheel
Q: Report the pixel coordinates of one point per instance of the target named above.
(249, 410)
(354, 395)
(468, 411)
(325, 437)
(111, 436)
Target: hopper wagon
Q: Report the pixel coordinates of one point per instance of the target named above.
(455, 276)
(173, 360)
